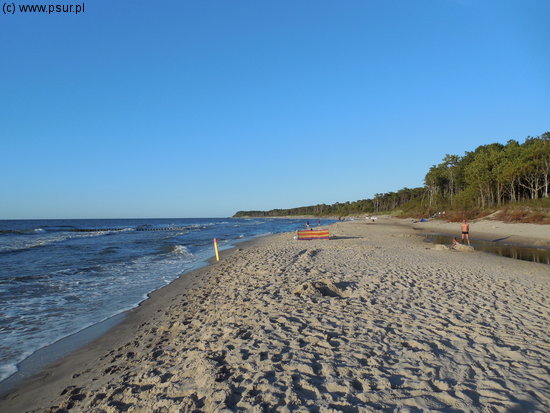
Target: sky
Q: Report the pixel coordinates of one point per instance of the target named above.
(179, 108)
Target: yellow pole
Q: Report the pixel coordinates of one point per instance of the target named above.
(216, 249)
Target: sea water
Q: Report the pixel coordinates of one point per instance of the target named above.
(58, 277)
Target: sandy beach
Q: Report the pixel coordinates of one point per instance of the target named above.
(372, 320)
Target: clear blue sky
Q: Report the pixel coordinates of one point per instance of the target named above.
(202, 108)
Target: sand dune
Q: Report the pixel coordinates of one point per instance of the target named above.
(371, 320)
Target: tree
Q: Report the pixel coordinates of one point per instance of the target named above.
(450, 162)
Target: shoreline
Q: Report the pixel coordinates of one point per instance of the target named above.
(49, 357)
(175, 314)
(38, 379)
(56, 351)
(46, 356)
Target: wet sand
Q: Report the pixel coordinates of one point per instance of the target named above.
(374, 319)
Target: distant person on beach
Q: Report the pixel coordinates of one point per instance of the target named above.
(465, 228)
(307, 224)
(455, 242)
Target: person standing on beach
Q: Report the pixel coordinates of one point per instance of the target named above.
(465, 228)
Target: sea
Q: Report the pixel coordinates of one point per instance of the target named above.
(58, 277)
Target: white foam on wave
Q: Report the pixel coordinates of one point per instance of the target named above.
(7, 370)
(24, 242)
(180, 249)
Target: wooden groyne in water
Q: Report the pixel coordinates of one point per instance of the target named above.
(126, 229)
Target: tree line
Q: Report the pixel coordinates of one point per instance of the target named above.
(493, 174)
(490, 176)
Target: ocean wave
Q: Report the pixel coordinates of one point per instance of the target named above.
(109, 250)
(27, 243)
(164, 228)
(58, 226)
(178, 249)
(7, 370)
(101, 230)
(37, 230)
(24, 279)
(21, 231)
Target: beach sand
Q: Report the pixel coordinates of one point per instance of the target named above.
(374, 319)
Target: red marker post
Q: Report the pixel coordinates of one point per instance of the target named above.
(216, 249)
